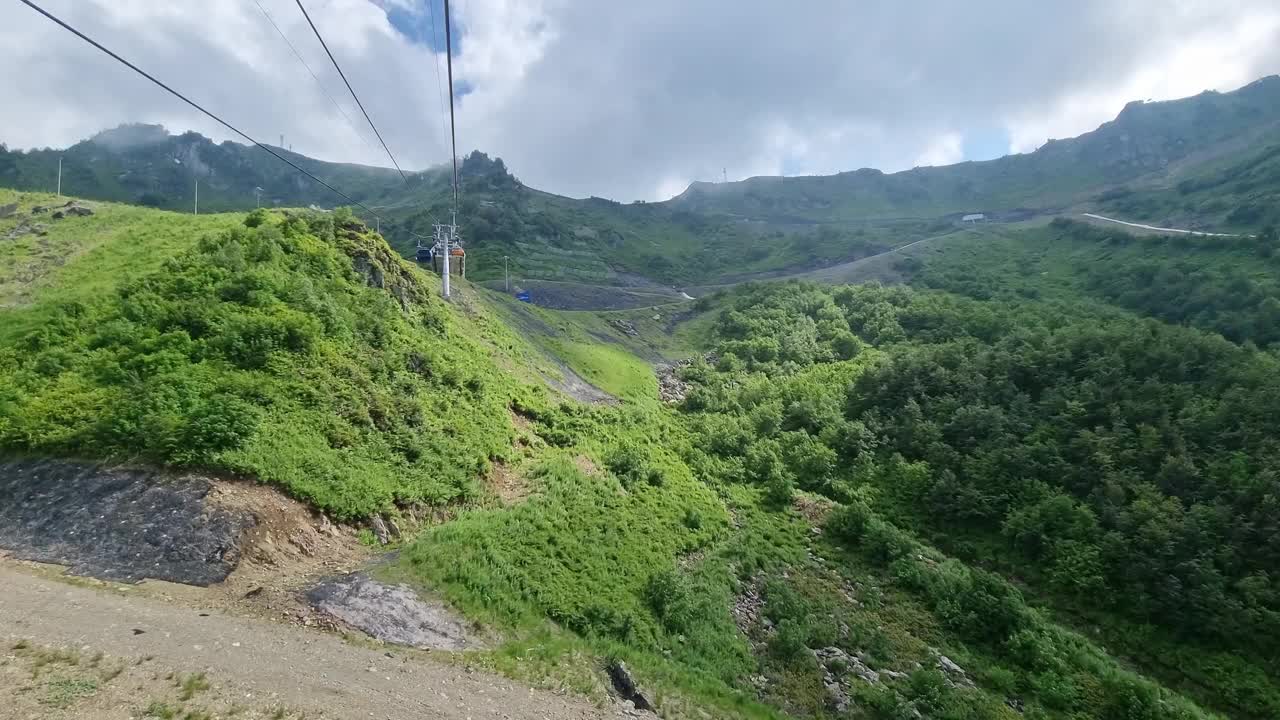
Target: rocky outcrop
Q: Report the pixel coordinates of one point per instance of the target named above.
(840, 669)
(68, 209)
(954, 673)
(626, 686)
(391, 613)
(380, 267)
(748, 609)
(26, 228)
(626, 327)
(384, 529)
(115, 523)
(671, 388)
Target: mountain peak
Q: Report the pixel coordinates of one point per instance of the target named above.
(130, 135)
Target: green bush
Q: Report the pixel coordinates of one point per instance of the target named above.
(261, 352)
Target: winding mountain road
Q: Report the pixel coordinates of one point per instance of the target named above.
(1179, 231)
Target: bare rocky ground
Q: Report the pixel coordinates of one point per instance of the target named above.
(278, 636)
(391, 613)
(118, 523)
(52, 630)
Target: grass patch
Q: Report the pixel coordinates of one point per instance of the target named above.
(609, 368)
(161, 710)
(81, 258)
(191, 685)
(42, 658)
(62, 693)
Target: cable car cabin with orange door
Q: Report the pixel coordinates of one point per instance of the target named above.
(431, 254)
(457, 262)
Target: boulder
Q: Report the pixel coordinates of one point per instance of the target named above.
(954, 672)
(626, 686)
(23, 228)
(380, 530)
(7, 210)
(626, 326)
(79, 210)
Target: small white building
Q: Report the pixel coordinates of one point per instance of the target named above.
(973, 217)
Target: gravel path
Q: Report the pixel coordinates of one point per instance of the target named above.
(309, 670)
(1180, 231)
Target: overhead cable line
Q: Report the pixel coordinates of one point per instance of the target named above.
(196, 105)
(435, 57)
(319, 84)
(334, 60)
(453, 133)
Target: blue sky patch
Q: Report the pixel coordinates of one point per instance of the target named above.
(986, 143)
(416, 25)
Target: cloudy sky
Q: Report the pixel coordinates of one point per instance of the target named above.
(633, 100)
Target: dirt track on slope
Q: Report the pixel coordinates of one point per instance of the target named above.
(314, 672)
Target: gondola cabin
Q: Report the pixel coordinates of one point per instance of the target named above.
(457, 262)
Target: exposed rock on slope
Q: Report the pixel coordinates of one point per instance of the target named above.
(118, 523)
(391, 613)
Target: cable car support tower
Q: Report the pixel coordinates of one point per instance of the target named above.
(446, 236)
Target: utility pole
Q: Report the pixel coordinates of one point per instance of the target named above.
(505, 273)
(59, 176)
(726, 174)
(196, 210)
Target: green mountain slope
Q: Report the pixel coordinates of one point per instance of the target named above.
(1146, 140)
(145, 165)
(768, 548)
(296, 349)
(1205, 161)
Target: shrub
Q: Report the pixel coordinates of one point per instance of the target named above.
(788, 643)
(256, 218)
(848, 523)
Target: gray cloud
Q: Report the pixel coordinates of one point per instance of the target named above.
(634, 100)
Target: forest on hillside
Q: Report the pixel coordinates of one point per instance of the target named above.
(1119, 468)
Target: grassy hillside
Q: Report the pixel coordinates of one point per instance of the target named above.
(733, 553)
(1223, 285)
(294, 348)
(749, 554)
(48, 262)
(1236, 192)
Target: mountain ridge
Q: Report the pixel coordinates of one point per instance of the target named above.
(1145, 165)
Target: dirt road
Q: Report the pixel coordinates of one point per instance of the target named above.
(1153, 228)
(313, 672)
